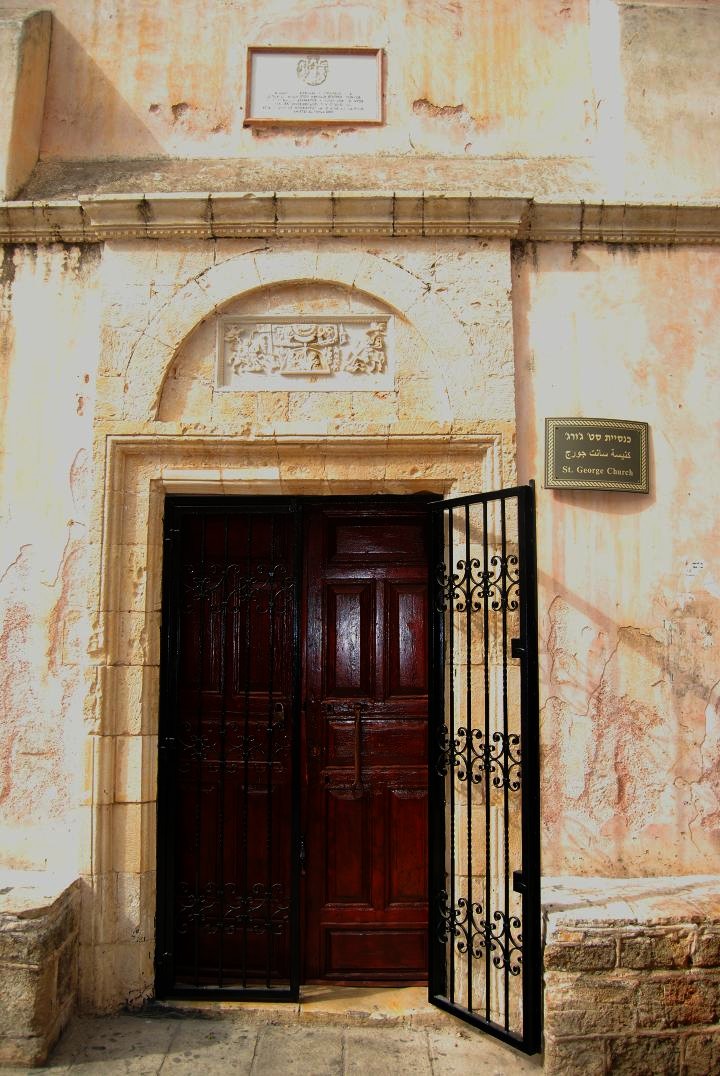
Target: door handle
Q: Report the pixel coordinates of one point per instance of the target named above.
(357, 709)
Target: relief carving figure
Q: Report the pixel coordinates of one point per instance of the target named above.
(312, 70)
(305, 348)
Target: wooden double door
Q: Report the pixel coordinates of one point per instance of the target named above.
(293, 763)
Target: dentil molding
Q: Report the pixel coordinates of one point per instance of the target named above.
(95, 218)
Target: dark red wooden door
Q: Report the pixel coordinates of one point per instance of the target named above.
(226, 764)
(365, 744)
(270, 718)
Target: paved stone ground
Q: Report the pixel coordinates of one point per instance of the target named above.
(194, 1045)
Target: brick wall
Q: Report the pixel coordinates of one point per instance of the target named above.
(634, 990)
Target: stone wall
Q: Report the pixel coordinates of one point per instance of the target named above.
(632, 977)
(39, 929)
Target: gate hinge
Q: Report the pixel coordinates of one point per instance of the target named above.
(517, 648)
(518, 882)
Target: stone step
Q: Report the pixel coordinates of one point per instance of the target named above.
(332, 1006)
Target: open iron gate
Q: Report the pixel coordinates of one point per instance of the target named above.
(484, 770)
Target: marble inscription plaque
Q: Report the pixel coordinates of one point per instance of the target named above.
(300, 354)
(322, 86)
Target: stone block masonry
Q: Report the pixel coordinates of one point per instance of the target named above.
(39, 924)
(632, 976)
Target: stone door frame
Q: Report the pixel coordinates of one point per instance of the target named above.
(118, 916)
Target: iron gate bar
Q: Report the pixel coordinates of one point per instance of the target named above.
(176, 509)
(500, 582)
(530, 731)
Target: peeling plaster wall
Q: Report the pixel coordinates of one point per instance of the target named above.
(601, 98)
(88, 333)
(629, 587)
(629, 584)
(135, 94)
(671, 75)
(49, 315)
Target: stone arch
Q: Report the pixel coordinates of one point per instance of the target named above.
(207, 293)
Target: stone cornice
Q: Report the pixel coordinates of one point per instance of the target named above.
(94, 219)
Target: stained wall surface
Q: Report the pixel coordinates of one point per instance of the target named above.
(629, 596)
(136, 95)
(582, 99)
(107, 340)
(50, 324)
(629, 583)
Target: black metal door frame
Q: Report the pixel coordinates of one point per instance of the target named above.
(485, 941)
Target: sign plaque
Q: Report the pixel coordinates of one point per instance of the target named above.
(596, 453)
(321, 86)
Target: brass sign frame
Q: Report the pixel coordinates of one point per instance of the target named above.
(603, 454)
(314, 51)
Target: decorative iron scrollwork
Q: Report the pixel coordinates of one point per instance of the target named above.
(455, 922)
(451, 754)
(506, 942)
(474, 933)
(499, 757)
(504, 587)
(224, 585)
(260, 910)
(234, 745)
(470, 587)
(448, 588)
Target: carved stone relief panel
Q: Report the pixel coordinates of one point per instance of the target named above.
(348, 353)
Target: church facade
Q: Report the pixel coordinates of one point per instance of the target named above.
(256, 318)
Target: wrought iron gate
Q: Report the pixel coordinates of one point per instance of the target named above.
(228, 829)
(484, 781)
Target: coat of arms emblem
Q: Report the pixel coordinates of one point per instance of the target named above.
(313, 70)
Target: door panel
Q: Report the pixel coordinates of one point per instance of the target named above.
(406, 851)
(349, 612)
(225, 780)
(366, 743)
(384, 954)
(348, 826)
(406, 606)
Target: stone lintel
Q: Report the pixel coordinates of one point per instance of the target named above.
(297, 214)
